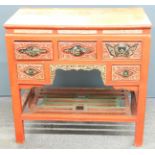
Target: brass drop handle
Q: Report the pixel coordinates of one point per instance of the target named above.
(32, 51)
(77, 50)
(125, 73)
(30, 71)
(122, 48)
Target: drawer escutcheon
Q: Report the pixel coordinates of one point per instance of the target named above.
(32, 51)
(125, 73)
(31, 71)
(77, 50)
(121, 50)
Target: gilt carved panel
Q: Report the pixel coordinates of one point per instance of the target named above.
(77, 67)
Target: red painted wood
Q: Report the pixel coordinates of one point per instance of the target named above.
(51, 35)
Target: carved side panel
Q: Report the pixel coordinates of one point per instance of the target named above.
(30, 71)
(77, 50)
(126, 72)
(122, 50)
(33, 50)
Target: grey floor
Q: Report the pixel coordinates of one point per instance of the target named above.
(54, 135)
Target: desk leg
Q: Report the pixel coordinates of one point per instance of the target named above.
(140, 116)
(17, 111)
(15, 91)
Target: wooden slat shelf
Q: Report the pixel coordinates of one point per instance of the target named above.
(78, 101)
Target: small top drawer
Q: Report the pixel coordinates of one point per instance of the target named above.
(77, 50)
(122, 50)
(40, 50)
(126, 73)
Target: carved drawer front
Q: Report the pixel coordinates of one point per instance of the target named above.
(126, 72)
(85, 50)
(30, 71)
(122, 50)
(33, 50)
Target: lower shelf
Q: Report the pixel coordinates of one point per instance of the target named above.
(78, 104)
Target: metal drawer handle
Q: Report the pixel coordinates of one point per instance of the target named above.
(126, 73)
(77, 50)
(121, 50)
(32, 51)
(31, 71)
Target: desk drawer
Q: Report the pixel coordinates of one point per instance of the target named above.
(125, 72)
(122, 50)
(33, 50)
(30, 72)
(81, 50)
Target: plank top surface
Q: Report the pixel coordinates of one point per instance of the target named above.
(79, 17)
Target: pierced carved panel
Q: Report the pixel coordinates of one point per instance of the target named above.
(126, 72)
(101, 68)
(122, 50)
(30, 71)
(33, 50)
(77, 50)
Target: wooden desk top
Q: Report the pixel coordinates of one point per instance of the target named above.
(79, 17)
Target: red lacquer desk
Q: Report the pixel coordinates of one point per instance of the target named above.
(114, 41)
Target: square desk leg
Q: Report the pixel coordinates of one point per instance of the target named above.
(141, 101)
(15, 91)
(139, 128)
(17, 110)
